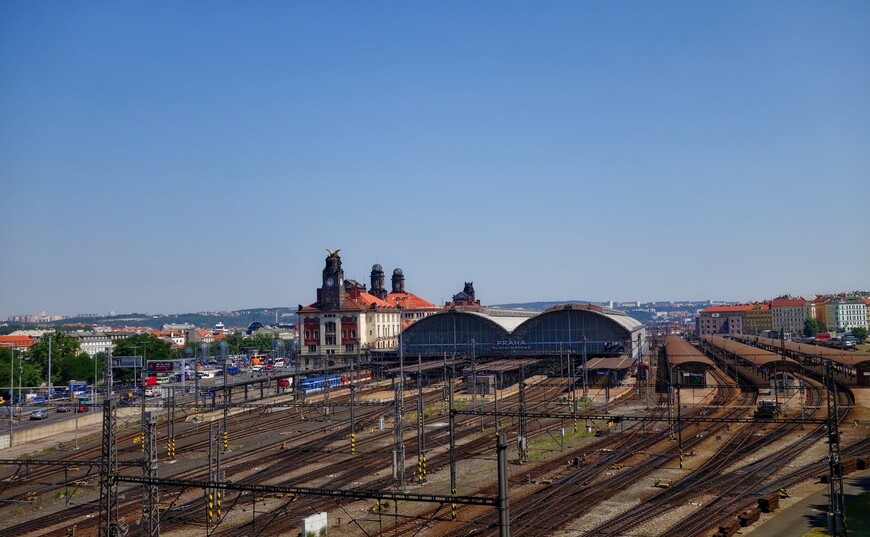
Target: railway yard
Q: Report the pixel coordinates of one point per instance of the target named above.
(686, 451)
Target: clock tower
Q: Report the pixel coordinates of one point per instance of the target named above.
(332, 292)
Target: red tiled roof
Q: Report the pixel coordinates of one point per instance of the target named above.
(364, 300)
(353, 300)
(787, 302)
(408, 300)
(727, 309)
(17, 341)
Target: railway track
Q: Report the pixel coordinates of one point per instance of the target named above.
(544, 510)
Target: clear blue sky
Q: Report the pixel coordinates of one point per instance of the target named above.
(184, 156)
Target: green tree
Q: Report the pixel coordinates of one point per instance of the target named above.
(5, 358)
(146, 345)
(239, 342)
(80, 367)
(24, 372)
(63, 347)
(7, 329)
(813, 326)
(861, 333)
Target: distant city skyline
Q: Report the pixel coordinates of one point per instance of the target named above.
(616, 303)
(171, 157)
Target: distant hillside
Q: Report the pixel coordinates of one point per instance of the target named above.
(641, 315)
(541, 306)
(230, 319)
(242, 318)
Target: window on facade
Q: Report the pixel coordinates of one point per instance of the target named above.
(344, 334)
(353, 334)
(330, 340)
(307, 334)
(312, 348)
(348, 348)
(330, 328)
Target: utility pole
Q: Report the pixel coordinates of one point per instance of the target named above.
(646, 372)
(671, 400)
(503, 511)
(836, 500)
(784, 373)
(679, 416)
(352, 413)
(170, 425)
(452, 436)
(473, 378)
(108, 525)
(151, 516)
(49, 370)
(585, 373)
(399, 449)
(522, 444)
(421, 440)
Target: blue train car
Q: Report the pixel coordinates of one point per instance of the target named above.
(315, 384)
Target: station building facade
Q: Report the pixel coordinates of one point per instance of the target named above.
(348, 322)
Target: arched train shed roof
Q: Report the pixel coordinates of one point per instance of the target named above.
(759, 357)
(574, 328)
(847, 358)
(681, 352)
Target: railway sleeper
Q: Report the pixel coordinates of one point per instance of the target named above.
(769, 503)
(727, 529)
(750, 517)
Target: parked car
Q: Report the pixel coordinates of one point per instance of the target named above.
(81, 408)
(64, 407)
(38, 414)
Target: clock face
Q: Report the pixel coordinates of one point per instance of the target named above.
(330, 282)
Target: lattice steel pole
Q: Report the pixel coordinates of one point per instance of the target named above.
(452, 448)
(399, 438)
(352, 413)
(421, 440)
(646, 373)
(108, 523)
(170, 425)
(209, 491)
(522, 442)
(836, 500)
(151, 516)
(504, 527)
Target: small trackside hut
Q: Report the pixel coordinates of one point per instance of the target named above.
(685, 361)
